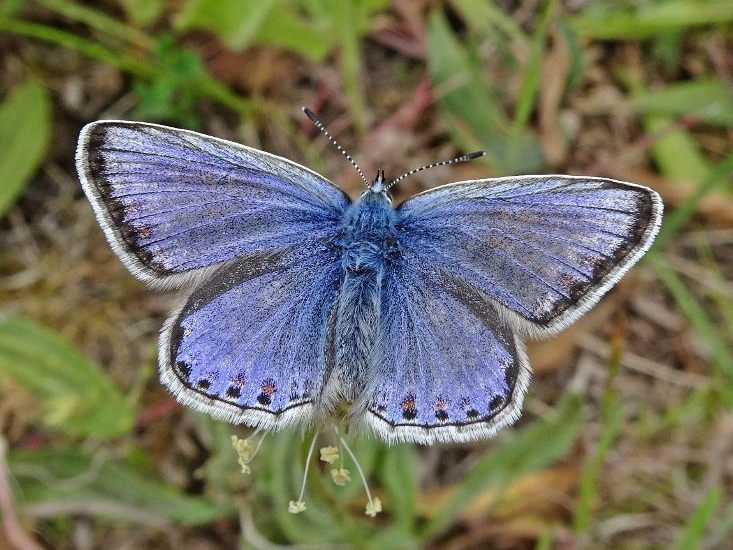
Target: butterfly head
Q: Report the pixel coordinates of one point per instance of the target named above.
(378, 188)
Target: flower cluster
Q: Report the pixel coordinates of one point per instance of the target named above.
(246, 451)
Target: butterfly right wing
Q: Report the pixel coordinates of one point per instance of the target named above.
(174, 202)
(250, 345)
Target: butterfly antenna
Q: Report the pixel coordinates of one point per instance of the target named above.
(463, 158)
(321, 128)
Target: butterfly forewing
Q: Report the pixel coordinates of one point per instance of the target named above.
(172, 202)
(545, 248)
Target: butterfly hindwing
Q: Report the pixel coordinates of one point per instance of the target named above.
(249, 346)
(172, 202)
(544, 248)
(449, 368)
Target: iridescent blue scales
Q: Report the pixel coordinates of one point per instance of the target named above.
(299, 301)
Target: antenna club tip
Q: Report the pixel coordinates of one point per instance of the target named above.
(475, 154)
(310, 114)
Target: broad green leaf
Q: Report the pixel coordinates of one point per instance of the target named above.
(25, 127)
(237, 22)
(68, 477)
(242, 23)
(74, 393)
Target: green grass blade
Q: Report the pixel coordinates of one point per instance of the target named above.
(99, 21)
(470, 107)
(696, 315)
(530, 84)
(140, 66)
(652, 19)
(25, 127)
(398, 474)
(612, 416)
(691, 536)
(707, 99)
(76, 395)
(487, 19)
(73, 42)
(676, 219)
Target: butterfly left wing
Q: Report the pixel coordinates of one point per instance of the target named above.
(249, 345)
(543, 249)
(447, 367)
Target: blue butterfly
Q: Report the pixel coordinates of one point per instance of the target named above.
(303, 305)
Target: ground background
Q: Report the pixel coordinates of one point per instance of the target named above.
(627, 436)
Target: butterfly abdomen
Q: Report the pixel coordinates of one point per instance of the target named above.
(368, 244)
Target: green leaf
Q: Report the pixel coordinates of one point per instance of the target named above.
(218, 16)
(300, 26)
(653, 18)
(471, 108)
(708, 99)
(590, 474)
(82, 483)
(143, 12)
(25, 128)
(75, 395)
(676, 152)
(171, 95)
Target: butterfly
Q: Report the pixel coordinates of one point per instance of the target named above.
(302, 305)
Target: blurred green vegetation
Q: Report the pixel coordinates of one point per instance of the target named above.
(89, 461)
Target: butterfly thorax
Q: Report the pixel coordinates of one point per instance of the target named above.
(368, 237)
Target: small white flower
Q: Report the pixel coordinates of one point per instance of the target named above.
(245, 452)
(245, 449)
(329, 454)
(296, 507)
(373, 507)
(341, 476)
